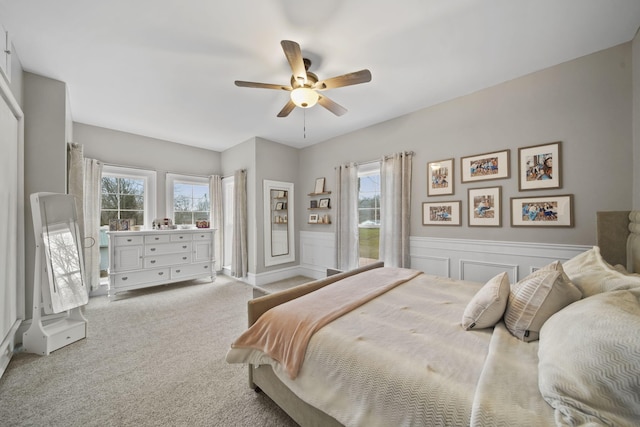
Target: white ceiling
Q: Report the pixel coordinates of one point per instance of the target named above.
(166, 68)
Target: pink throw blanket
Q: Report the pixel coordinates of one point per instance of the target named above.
(284, 331)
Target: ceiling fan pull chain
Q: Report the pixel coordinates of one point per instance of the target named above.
(304, 123)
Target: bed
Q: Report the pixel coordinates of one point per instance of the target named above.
(559, 347)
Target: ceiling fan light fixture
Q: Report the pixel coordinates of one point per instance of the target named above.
(304, 97)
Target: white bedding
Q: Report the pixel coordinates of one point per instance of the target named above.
(411, 378)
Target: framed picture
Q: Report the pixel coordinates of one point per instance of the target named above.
(440, 177)
(313, 204)
(441, 213)
(324, 203)
(485, 207)
(313, 218)
(279, 206)
(545, 211)
(319, 186)
(539, 167)
(482, 167)
(121, 224)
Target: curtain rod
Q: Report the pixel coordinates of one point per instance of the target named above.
(153, 170)
(389, 156)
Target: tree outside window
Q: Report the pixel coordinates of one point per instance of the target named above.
(190, 202)
(122, 198)
(369, 212)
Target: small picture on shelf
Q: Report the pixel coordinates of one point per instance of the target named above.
(319, 186)
(279, 206)
(313, 204)
(324, 203)
(313, 218)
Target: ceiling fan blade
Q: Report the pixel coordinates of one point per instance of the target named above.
(330, 105)
(287, 109)
(362, 76)
(261, 85)
(294, 56)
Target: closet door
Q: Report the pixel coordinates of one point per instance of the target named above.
(11, 223)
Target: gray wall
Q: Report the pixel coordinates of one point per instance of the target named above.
(126, 149)
(636, 120)
(585, 103)
(45, 155)
(275, 162)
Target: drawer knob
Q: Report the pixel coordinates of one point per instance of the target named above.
(184, 257)
(128, 240)
(157, 238)
(152, 249)
(124, 278)
(153, 261)
(184, 247)
(160, 273)
(178, 271)
(181, 237)
(206, 266)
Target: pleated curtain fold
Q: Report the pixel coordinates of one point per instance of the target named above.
(239, 249)
(346, 217)
(216, 220)
(395, 209)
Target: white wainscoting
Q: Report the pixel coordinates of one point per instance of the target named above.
(480, 260)
(475, 260)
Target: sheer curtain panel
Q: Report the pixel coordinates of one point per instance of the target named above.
(215, 185)
(91, 206)
(347, 246)
(395, 209)
(239, 250)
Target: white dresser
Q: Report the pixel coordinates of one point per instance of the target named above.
(138, 259)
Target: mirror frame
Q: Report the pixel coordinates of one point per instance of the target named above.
(268, 186)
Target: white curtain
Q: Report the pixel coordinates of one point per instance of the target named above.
(395, 209)
(76, 179)
(239, 250)
(91, 206)
(347, 246)
(216, 220)
(85, 177)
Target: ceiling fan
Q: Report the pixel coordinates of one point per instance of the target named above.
(305, 85)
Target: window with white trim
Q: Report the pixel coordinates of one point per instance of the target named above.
(128, 193)
(369, 212)
(188, 198)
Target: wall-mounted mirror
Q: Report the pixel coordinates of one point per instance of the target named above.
(279, 246)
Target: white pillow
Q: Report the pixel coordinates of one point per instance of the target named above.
(536, 298)
(593, 275)
(487, 306)
(589, 360)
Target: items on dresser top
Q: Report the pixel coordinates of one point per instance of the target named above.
(138, 259)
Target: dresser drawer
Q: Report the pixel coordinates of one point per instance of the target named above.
(202, 236)
(187, 271)
(137, 277)
(180, 237)
(128, 240)
(158, 238)
(169, 259)
(167, 248)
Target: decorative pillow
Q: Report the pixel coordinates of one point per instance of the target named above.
(593, 275)
(487, 306)
(588, 361)
(535, 298)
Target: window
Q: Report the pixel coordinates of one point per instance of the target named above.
(127, 194)
(369, 212)
(188, 198)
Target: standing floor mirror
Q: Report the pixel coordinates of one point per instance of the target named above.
(58, 284)
(279, 246)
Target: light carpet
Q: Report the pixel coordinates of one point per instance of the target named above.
(152, 357)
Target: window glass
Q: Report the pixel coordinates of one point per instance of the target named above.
(188, 198)
(122, 198)
(369, 212)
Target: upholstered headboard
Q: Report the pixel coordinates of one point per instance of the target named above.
(618, 236)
